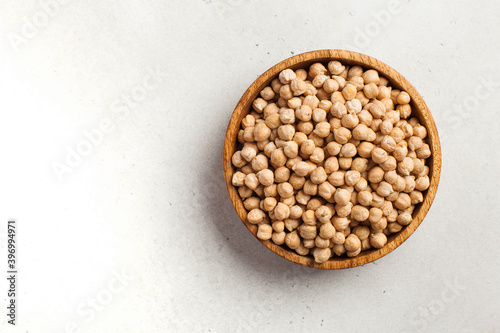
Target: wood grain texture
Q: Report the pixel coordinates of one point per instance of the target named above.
(419, 109)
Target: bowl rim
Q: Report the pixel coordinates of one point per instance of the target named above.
(396, 80)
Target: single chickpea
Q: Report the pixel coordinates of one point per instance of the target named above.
(405, 167)
(391, 177)
(323, 214)
(319, 80)
(322, 255)
(384, 189)
(403, 201)
(267, 93)
(404, 110)
(350, 120)
(338, 109)
(319, 175)
(304, 113)
(352, 243)
(287, 116)
(357, 81)
(410, 184)
(403, 98)
(362, 184)
(251, 181)
(354, 106)
(337, 178)
(259, 162)
(296, 181)
(264, 232)
(383, 92)
(294, 103)
(281, 174)
(278, 226)
(375, 215)
(301, 169)
(342, 135)
(422, 183)
(420, 131)
(317, 156)
(312, 101)
(335, 67)
(299, 138)
(354, 71)
(281, 211)
(261, 132)
(399, 185)
(259, 104)
(330, 85)
(301, 74)
(307, 147)
(319, 114)
(333, 148)
(272, 121)
(286, 92)
(291, 149)
(340, 223)
(415, 143)
(302, 198)
(371, 76)
(278, 158)
(325, 105)
(370, 90)
(321, 242)
(307, 231)
(251, 203)
(365, 198)
(249, 151)
(416, 197)
(310, 188)
(401, 151)
(349, 92)
(345, 210)
(378, 240)
(292, 240)
(286, 132)
(296, 212)
(286, 76)
(278, 238)
(271, 190)
(285, 190)
(322, 128)
(377, 200)
(248, 121)
(359, 164)
(238, 179)
(256, 216)
(341, 196)
(362, 232)
(238, 160)
(424, 151)
(317, 69)
(298, 86)
(326, 190)
(360, 213)
(305, 127)
(365, 149)
(404, 218)
(394, 227)
(276, 85)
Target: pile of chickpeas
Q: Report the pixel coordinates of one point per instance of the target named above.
(330, 161)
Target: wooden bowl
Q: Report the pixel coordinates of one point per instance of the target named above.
(419, 109)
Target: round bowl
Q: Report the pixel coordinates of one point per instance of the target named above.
(419, 109)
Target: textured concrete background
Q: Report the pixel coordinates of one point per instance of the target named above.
(113, 119)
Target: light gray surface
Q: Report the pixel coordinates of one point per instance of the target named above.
(149, 198)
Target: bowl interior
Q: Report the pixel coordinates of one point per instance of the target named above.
(419, 110)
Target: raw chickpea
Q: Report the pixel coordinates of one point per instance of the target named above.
(259, 104)
(376, 108)
(352, 177)
(362, 184)
(359, 164)
(302, 198)
(403, 98)
(341, 196)
(251, 203)
(424, 151)
(264, 232)
(348, 150)
(333, 148)
(301, 169)
(281, 211)
(393, 196)
(415, 143)
(291, 149)
(298, 86)
(321, 242)
(301, 74)
(308, 243)
(349, 92)
(404, 218)
(312, 101)
(292, 161)
(342, 135)
(404, 110)
(322, 128)
(360, 213)
(330, 85)
(286, 76)
(386, 127)
(326, 190)
(310, 89)
(285, 190)
(317, 156)
(278, 158)
(358, 82)
(296, 181)
(319, 80)
(337, 178)
(327, 230)
(416, 197)
(422, 183)
(294, 102)
(420, 131)
(365, 198)
(271, 190)
(286, 132)
(397, 134)
(317, 69)
(259, 162)
(377, 200)
(335, 67)
(318, 141)
(403, 201)
(238, 160)
(251, 181)
(291, 224)
(307, 231)
(287, 116)
(405, 167)
(378, 240)
(325, 105)
(318, 176)
(352, 243)
(256, 216)
(323, 214)
(278, 238)
(410, 184)
(322, 255)
(353, 106)
(305, 127)
(338, 109)
(350, 120)
(391, 177)
(238, 179)
(248, 121)
(383, 92)
(286, 92)
(281, 174)
(310, 188)
(276, 85)
(331, 165)
(272, 121)
(304, 113)
(365, 149)
(292, 240)
(319, 115)
(362, 232)
(394, 227)
(267, 93)
(340, 223)
(278, 226)
(370, 90)
(376, 174)
(354, 71)
(400, 151)
(371, 76)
